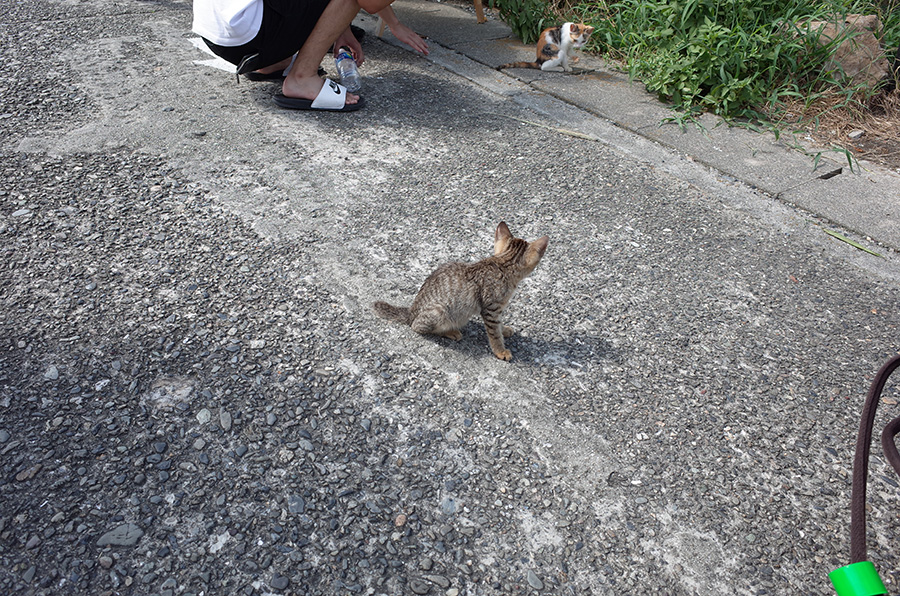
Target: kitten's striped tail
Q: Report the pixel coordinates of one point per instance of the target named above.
(519, 65)
(399, 314)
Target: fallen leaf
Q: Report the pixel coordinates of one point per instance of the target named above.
(852, 243)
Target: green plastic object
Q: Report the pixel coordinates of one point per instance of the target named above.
(858, 579)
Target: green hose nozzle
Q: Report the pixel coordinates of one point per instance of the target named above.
(858, 579)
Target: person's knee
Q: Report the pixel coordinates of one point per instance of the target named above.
(373, 6)
(341, 4)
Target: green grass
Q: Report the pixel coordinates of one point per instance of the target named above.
(527, 18)
(739, 59)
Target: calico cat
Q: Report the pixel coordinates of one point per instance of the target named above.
(454, 292)
(555, 46)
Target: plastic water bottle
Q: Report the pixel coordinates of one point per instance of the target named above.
(347, 70)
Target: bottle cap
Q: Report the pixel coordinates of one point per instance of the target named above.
(858, 579)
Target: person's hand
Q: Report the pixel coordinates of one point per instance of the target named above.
(348, 40)
(401, 31)
(409, 37)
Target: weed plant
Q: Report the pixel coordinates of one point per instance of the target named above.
(740, 59)
(527, 18)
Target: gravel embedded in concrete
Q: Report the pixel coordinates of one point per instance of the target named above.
(195, 396)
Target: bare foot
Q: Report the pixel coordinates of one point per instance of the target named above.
(308, 88)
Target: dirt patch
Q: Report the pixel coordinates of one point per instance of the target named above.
(880, 141)
(868, 128)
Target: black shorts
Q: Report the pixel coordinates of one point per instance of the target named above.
(285, 26)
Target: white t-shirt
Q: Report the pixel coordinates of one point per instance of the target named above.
(227, 23)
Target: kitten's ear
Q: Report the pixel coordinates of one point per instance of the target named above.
(588, 30)
(501, 238)
(535, 252)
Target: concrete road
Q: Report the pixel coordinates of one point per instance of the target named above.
(196, 398)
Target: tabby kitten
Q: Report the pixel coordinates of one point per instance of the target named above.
(454, 292)
(556, 45)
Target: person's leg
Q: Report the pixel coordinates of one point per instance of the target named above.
(303, 81)
(277, 67)
(373, 6)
